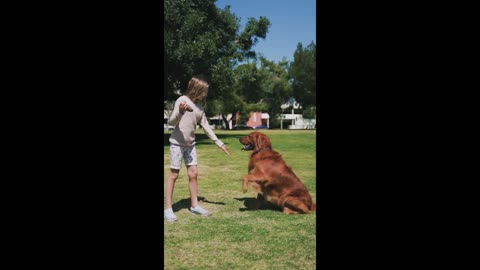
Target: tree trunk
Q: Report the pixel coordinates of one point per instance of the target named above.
(225, 121)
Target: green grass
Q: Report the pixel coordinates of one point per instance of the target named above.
(235, 237)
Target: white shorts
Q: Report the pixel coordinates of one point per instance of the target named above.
(187, 153)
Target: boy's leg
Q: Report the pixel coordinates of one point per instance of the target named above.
(170, 186)
(175, 165)
(190, 157)
(193, 184)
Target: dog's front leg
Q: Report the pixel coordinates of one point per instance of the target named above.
(258, 178)
(244, 185)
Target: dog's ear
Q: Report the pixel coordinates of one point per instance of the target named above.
(262, 141)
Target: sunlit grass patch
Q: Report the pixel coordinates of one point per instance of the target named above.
(235, 237)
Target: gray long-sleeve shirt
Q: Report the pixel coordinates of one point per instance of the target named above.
(185, 124)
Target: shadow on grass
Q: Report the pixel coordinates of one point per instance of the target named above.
(185, 203)
(250, 205)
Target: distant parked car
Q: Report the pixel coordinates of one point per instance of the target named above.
(260, 127)
(238, 127)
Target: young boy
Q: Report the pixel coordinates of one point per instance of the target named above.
(187, 112)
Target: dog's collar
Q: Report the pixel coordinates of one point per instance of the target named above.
(260, 150)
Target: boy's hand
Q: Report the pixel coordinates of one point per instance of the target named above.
(183, 107)
(225, 149)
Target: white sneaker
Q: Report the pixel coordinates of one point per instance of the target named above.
(199, 211)
(169, 215)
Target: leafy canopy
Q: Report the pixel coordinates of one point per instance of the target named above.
(302, 73)
(203, 39)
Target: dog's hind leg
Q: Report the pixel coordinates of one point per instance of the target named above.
(288, 211)
(295, 206)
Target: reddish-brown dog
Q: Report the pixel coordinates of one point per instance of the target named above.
(272, 179)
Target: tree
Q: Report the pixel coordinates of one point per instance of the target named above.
(248, 90)
(310, 112)
(302, 73)
(275, 85)
(203, 39)
(262, 88)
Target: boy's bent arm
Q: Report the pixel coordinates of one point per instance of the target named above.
(176, 115)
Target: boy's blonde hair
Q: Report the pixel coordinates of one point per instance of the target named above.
(197, 89)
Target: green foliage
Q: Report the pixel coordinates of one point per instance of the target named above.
(274, 84)
(310, 112)
(302, 73)
(214, 107)
(247, 83)
(203, 39)
(262, 88)
(254, 29)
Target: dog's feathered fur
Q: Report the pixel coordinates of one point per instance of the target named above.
(272, 179)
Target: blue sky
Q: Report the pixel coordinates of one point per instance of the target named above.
(292, 21)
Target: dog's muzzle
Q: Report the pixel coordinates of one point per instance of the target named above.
(247, 147)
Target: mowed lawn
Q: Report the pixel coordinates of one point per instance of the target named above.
(235, 237)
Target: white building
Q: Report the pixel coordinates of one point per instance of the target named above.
(218, 123)
(292, 120)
